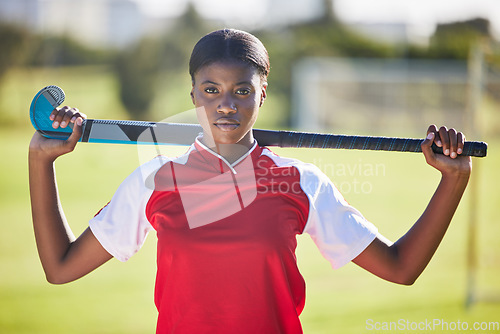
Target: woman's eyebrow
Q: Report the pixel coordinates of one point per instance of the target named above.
(244, 83)
(208, 82)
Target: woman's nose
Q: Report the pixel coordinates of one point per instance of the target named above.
(227, 105)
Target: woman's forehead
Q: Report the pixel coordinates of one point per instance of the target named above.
(228, 70)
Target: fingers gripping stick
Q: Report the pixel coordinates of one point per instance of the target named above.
(137, 132)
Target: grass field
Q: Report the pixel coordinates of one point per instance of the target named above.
(391, 190)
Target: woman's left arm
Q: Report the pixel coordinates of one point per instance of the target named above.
(403, 261)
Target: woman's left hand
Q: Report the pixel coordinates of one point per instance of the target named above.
(452, 142)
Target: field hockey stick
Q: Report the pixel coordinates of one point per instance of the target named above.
(139, 132)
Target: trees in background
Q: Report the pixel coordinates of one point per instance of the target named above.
(454, 40)
(13, 40)
(139, 67)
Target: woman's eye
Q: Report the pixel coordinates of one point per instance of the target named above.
(243, 91)
(210, 90)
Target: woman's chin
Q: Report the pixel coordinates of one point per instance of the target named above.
(227, 138)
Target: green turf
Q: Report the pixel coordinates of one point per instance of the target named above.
(390, 189)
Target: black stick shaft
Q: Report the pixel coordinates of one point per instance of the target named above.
(317, 140)
(184, 134)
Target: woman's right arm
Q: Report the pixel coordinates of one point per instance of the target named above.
(64, 258)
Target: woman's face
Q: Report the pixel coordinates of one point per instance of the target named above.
(228, 96)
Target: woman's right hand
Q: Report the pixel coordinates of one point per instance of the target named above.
(51, 149)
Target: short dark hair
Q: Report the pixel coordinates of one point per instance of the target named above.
(229, 44)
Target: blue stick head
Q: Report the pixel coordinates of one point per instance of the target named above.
(42, 105)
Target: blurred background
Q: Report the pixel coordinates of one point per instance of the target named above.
(382, 67)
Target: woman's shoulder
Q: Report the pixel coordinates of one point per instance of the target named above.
(146, 171)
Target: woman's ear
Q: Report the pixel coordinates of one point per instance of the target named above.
(192, 95)
(263, 93)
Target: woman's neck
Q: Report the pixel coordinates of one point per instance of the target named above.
(230, 152)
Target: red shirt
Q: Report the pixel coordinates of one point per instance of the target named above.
(227, 237)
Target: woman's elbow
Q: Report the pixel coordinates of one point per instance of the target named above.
(57, 278)
(407, 282)
(406, 278)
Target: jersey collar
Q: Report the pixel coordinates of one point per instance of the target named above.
(220, 162)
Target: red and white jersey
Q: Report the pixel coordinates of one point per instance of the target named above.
(227, 236)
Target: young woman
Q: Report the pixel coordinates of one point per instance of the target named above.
(227, 212)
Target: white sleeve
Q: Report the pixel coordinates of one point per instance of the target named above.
(339, 231)
(122, 226)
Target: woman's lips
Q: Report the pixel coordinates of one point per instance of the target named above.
(227, 124)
